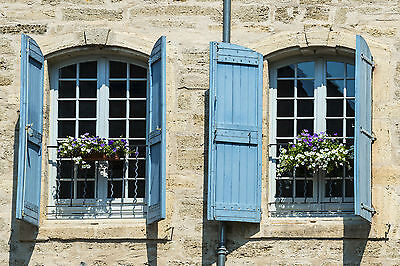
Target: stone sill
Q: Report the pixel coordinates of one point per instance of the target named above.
(99, 229)
(315, 228)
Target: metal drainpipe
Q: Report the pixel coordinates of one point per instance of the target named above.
(226, 37)
(221, 250)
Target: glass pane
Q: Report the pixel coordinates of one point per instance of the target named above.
(282, 143)
(64, 189)
(349, 127)
(334, 88)
(88, 70)
(87, 109)
(66, 169)
(303, 172)
(334, 126)
(141, 145)
(66, 109)
(350, 70)
(305, 70)
(117, 129)
(335, 69)
(137, 129)
(350, 170)
(304, 188)
(285, 128)
(85, 190)
(141, 168)
(117, 69)
(305, 88)
(286, 72)
(305, 108)
(139, 188)
(334, 188)
(87, 173)
(68, 71)
(349, 188)
(285, 108)
(350, 91)
(137, 72)
(67, 89)
(285, 88)
(137, 109)
(137, 89)
(87, 127)
(284, 188)
(350, 107)
(117, 89)
(114, 189)
(305, 124)
(334, 108)
(88, 89)
(117, 109)
(116, 169)
(66, 128)
(336, 172)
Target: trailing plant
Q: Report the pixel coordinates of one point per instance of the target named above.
(317, 151)
(80, 148)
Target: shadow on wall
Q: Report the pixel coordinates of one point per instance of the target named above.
(237, 234)
(356, 233)
(23, 235)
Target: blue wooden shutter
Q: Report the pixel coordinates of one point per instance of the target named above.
(234, 166)
(30, 132)
(363, 131)
(155, 133)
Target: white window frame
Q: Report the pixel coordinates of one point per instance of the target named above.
(101, 207)
(335, 206)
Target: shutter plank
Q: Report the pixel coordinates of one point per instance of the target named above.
(362, 169)
(156, 135)
(30, 132)
(234, 179)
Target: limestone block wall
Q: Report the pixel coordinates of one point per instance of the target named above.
(186, 237)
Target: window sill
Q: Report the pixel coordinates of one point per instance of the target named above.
(335, 228)
(100, 229)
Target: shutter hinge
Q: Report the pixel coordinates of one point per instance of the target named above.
(369, 61)
(371, 136)
(368, 209)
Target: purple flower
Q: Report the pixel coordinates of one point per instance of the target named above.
(110, 142)
(115, 149)
(102, 144)
(137, 153)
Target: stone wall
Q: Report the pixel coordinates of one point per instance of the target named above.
(186, 237)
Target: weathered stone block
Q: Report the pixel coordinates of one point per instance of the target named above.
(24, 28)
(178, 10)
(92, 14)
(5, 81)
(254, 13)
(317, 13)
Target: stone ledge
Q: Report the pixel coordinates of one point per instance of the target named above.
(99, 230)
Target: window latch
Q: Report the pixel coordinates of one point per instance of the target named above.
(371, 136)
(368, 209)
(369, 61)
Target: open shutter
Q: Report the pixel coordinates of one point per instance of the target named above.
(363, 131)
(155, 133)
(234, 166)
(30, 132)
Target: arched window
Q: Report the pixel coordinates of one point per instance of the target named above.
(316, 94)
(105, 97)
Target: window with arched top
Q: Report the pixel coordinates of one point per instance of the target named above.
(104, 97)
(314, 95)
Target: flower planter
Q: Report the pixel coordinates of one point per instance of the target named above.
(100, 157)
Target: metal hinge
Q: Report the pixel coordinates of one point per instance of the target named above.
(371, 136)
(368, 209)
(366, 59)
